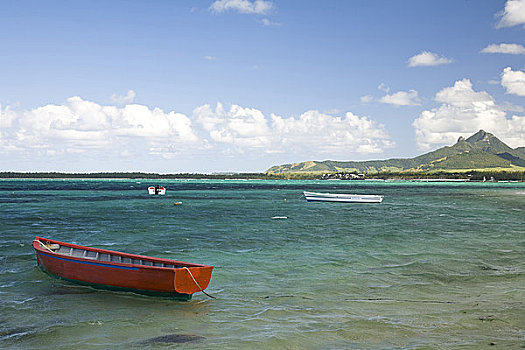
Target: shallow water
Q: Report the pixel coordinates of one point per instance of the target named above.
(435, 266)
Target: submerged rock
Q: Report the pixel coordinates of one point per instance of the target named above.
(173, 338)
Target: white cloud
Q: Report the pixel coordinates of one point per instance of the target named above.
(79, 126)
(259, 7)
(462, 95)
(139, 121)
(367, 99)
(269, 23)
(464, 112)
(383, 87)
(313, 134)
(122, 100)
(513, 49)
(513, 81)
(513, 14)
(244, 127)
(6, 117)
(79, 131)
(402, 98)
(509, 107)
(427, 58)
(210, 58)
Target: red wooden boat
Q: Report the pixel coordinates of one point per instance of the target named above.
(108, 269)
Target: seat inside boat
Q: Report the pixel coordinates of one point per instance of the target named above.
(89, 254)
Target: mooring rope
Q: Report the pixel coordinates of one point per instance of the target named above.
(43, 245)
(197, 283)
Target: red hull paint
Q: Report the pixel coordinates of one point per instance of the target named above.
(121, 275)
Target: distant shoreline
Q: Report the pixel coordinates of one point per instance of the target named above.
(126, 175)
(473, 175)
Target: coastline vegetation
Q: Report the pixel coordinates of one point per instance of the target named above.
(126, 175)
(489, 174)
(466, 175)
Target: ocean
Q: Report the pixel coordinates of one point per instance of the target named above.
(434, 266)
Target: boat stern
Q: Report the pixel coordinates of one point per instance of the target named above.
(189, 280)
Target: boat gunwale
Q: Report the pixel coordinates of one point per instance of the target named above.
(179, 264)
(342, 200)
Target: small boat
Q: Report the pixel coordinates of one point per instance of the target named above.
(156, 190)
(341, 197)
(118, 271)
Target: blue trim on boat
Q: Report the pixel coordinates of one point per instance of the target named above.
(92, 263)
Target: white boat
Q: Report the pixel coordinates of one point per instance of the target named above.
(342, 197)
(156, 190)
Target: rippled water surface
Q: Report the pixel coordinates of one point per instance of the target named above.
(435, 266)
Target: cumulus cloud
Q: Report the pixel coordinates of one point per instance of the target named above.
(79, 126)
(463, 95)
(427, 58)
(128, 98)
(259, 7)
(463, 112)
(513, 49)
(513, 14)
(317, 133)
(311, 134)
(79, 129)
(402, 98)
(244, 127)
(513, 81)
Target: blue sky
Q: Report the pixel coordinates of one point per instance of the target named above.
(241, 85)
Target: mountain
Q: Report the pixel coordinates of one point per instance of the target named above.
(480, 151)
(521, 151)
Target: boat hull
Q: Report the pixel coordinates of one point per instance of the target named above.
(343, 198)
(179, 282)
(171, 295)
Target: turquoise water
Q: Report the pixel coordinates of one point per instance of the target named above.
(435, 266)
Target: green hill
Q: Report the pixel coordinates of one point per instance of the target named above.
(480, 151)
